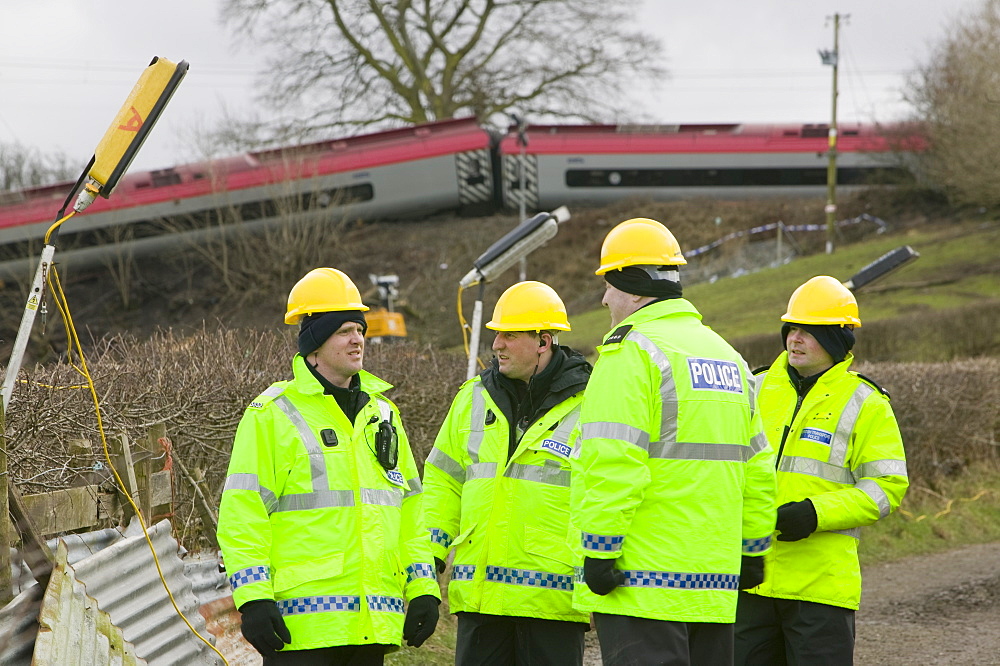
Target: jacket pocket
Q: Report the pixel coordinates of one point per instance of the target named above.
(544, 544)
(293, 575)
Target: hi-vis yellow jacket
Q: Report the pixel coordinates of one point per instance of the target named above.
(844, 452)
(674, 477)
(507, 521)
(322, 528)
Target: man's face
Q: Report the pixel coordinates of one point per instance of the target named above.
(805, 354)
(618, 303)
(342, 355)
(518, 354)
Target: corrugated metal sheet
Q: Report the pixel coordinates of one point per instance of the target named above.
(18, 628)
(216, 597)
(124, 581)
(73, 630)
(127, 580)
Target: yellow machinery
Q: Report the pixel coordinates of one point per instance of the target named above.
(383, 321)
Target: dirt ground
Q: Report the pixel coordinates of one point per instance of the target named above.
(928, 609)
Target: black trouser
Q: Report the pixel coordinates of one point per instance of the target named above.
(639, 641)
(777, 632)
(340, 655)
(501, 640)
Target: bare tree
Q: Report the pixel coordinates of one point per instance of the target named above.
(351, 64)
(22, 167)
(957, 96)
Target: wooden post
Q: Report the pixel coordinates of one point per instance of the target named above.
(81, 457)
(143, 465)
(121, 455)
(6, 591)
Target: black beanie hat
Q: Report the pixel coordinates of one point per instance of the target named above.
(316, 328)
(835, 339)
(635, 280)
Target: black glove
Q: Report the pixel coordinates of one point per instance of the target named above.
(263, 626)
(796, 520)
(601, 576)
(439, 565)
(421, 619)
(751, 571)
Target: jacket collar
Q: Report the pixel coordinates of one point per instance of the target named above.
(305, 383)
(657, 310)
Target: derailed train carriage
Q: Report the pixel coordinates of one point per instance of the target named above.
(461, 167)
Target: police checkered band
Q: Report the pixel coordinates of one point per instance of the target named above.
(420, 570)
(441, 537)
(529, 578)
(601, 543)
(756, 545)
(377, 602)
(249, 575)
(324, 604)
(463, 572)
(683, 581)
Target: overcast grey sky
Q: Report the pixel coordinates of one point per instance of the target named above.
(67, 66)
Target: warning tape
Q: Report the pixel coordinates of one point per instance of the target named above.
(864, 217)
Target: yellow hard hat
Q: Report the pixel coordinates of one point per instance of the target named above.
(529, 306)
(322, 290)
(822, 300)
(639, 242)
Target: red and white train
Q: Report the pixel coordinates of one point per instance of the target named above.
(457, 165)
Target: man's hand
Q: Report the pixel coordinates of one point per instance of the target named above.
(421, 620)
(439, 565)
(601, 576)
(796, 520)
(263, 626)
(751, 571)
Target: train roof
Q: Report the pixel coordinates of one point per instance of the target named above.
(696, 138)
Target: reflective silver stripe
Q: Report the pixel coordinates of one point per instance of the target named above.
(242, 482)
(382, 496)
(699, 451)
(682, 581)
(854, 532)
(565, 428)
(546, 474)
(415, 487)
(463, 572)
(668, 388)
(800, 465)
(477, 418)
(619, 431)
(875, 491)
(876, 468)
(317, 463)
(481, 471)
(323, 499)
(384, 408)
(758, 444)
(324, 604)
(251, 482)
(446, 464)
(273, 391)
(845, 426)
(752, 383)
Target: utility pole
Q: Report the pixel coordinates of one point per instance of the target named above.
(521, 124)
(831, 58)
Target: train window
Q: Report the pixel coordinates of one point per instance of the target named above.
(774, 177)
(165, 177)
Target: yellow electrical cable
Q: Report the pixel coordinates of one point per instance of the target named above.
(55, 225)
(947, 508)
(465, 327)
(73, 340)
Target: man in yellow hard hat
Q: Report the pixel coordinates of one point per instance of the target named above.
(497, 485)
(841, 466)
(673, 482)
(321, 524)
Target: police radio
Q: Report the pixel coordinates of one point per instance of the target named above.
(387, 444)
